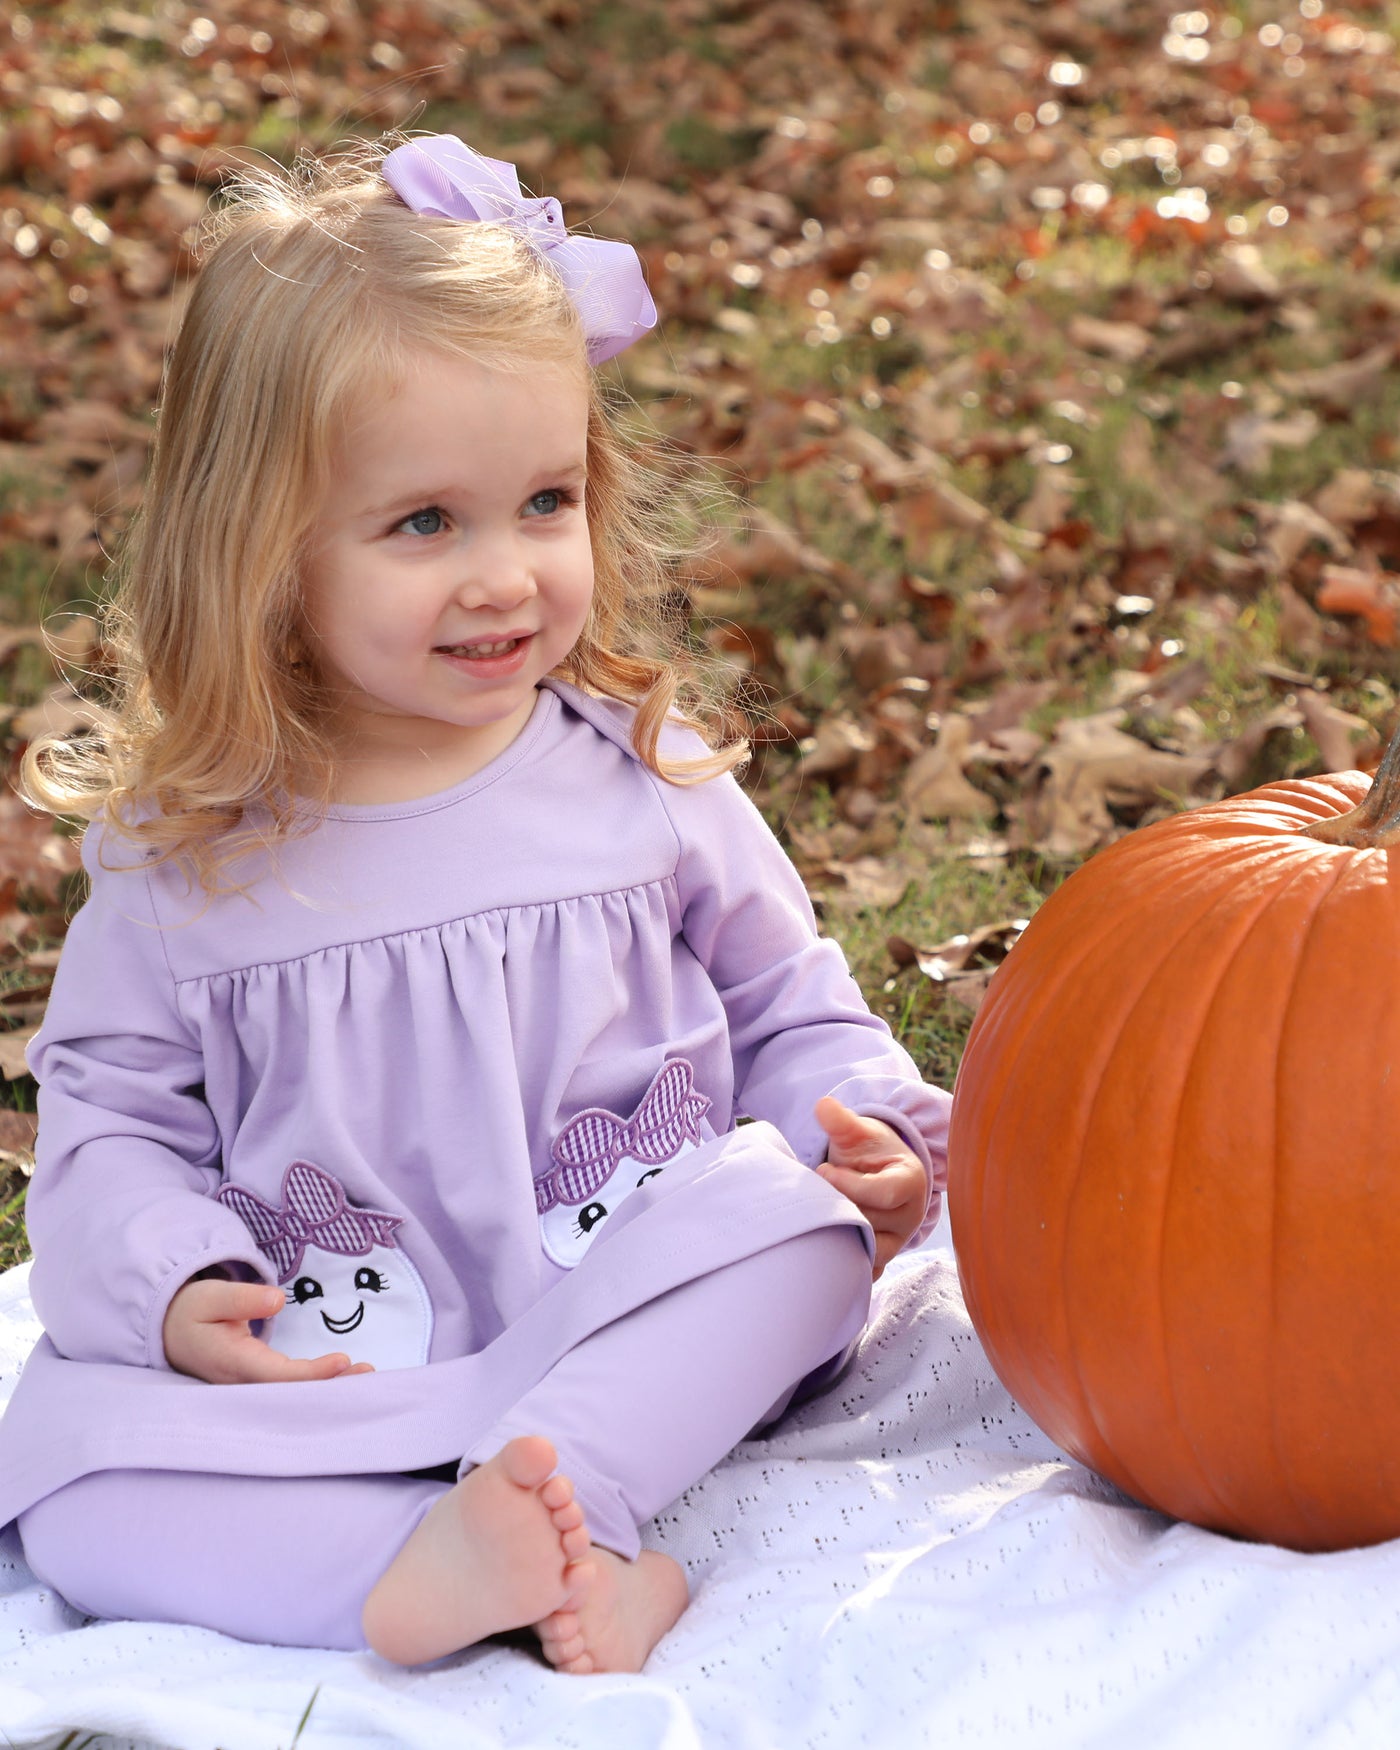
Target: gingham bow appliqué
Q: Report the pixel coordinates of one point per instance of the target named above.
(313, 1212)
(589, 1147)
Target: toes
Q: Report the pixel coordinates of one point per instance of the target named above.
(561, 1638)
(560, 1625)
(528, 1462)
(558, 1493)
(578, 1577)
(567, 1518)
(576, 1543)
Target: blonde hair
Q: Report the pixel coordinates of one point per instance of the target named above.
(319, 286)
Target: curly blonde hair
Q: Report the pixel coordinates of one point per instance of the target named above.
(318, 288)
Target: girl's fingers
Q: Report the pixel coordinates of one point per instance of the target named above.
(888, 1188)
(856, 1140)
(214, 1302)
(256, 1364)
(845, 1128)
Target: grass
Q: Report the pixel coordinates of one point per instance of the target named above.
(953, 895)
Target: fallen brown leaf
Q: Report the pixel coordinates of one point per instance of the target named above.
(988, 945)
(1339, 387)
(934, 787)
(1241, 276)
(1342, 739)
(12, 1047)
(17, 1130)
(1091, 767)
(1370, 595)
(1124, 341)
(873, 882)
(1250, 440)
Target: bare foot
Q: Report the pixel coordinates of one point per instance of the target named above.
(497, 1552)
(620, 1612)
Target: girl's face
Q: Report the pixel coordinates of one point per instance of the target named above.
(449, 570)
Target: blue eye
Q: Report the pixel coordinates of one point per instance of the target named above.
(547, 503)
(424, 522)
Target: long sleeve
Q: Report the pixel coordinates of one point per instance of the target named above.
(121, 1212)
(799, 1027)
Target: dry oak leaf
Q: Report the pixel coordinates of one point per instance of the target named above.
(874, 882)
(12, 1049)
(989, 945)
(1009, 750)
(933, 785)
(1370, 595)
(1241, 277)
(1124, 341)
(1090, 765)
(837, 745)
(1301, 630)
(773, 549)
(1351, 496)
(1290, 528)
(13, 638)
(961, 967)
(91, 428)
(32, 854)
(17, 1131)
(1239, 761)
(1051, 499)
(1340, 386)
(61, 711)
(1009, 706)
(1344, 741)
(1251, 439)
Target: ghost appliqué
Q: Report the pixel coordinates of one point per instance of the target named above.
(600, 1159)
(349, 1285)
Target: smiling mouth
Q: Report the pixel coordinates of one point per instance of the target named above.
(486, 649)
(341, 1326)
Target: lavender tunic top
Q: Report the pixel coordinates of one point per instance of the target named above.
(463, 1073)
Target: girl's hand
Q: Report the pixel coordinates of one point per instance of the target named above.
(207, 1334)
(874, 1166)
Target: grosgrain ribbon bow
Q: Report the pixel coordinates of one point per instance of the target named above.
(313, 1212)
(591, 1144)
(442, 177)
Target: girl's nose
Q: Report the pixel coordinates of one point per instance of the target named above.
(496, 574)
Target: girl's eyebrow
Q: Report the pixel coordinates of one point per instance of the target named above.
(413, 498)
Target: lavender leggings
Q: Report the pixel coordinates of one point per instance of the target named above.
(638, 1412)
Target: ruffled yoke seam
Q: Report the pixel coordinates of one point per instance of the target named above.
(665, 884)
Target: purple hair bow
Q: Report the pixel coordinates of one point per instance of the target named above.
(443, 177)
(313, 1212)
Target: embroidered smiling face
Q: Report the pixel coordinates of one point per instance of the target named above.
(374, 1308)
(349, 1285)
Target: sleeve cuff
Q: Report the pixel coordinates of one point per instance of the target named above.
(251, 1266)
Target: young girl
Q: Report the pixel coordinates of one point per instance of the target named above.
(396, 1246)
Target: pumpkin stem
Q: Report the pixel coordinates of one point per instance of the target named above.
(1374, 824)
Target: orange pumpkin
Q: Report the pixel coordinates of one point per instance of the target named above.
(1174, 1166)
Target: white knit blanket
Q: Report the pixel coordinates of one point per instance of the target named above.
(906, 1562)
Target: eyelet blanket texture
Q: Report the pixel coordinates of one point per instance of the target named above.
(904, 1562)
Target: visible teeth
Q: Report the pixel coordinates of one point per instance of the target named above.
(499, 648)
